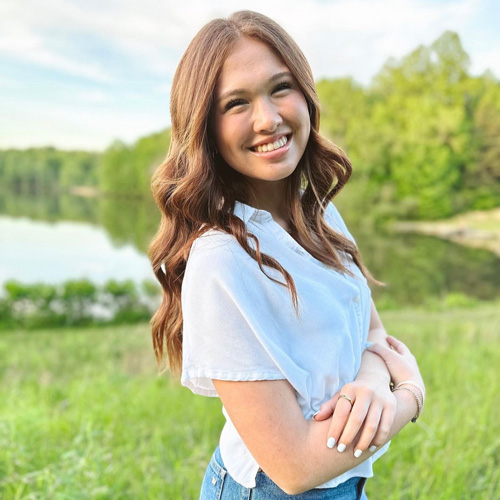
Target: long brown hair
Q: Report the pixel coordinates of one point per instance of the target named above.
(196, 190)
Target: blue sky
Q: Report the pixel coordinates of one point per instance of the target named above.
(78, 74)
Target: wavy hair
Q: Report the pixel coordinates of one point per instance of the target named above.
(196, 190)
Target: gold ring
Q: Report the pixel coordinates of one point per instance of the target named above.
(348, 399)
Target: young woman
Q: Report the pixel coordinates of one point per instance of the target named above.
(266, 302)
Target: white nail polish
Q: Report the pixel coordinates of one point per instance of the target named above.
(357, 453)
(372, 448)
(315, 414)
(341, 447)
(331, 442)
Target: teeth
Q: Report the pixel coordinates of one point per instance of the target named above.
(272, 145)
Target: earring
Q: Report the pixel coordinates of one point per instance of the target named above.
(215, 152)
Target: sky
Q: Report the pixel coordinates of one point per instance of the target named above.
(79, 74)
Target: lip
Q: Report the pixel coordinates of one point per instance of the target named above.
(277, 153)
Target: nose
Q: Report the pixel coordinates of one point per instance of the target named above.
(266, 116)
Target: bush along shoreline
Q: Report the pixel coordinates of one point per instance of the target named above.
(77, 303)
(81, 303)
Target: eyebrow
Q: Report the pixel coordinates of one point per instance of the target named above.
(277, 76)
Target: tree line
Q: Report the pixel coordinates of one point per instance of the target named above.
(422, 137)
(47, 170)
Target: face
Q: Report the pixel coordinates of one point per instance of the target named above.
(262, 127)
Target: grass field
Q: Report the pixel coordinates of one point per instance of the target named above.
(83, 415)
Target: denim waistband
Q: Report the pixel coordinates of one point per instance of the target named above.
(265, 488)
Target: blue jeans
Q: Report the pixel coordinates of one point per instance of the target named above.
(219, 485)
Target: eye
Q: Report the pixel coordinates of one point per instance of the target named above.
(232, 103)
(282, 86)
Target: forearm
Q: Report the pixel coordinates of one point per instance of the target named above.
(371, 364)
(321, 464)
(377, 334)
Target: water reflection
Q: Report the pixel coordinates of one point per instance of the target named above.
(113, 235)
(52, 252)
(418, 268)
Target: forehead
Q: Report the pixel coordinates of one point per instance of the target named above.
(249, 62)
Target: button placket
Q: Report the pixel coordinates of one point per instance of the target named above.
(359, 320)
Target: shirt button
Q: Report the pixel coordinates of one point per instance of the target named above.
(356, 299)
(214, 480)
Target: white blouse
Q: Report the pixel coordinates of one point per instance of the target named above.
(240, 325)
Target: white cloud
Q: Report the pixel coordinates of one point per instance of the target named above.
(156, 33)
(21, 42)
(77, 125)
(487, 59)
(93, 96)
(126, 49)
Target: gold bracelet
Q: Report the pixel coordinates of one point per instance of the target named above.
(417, 399)
(418, 386)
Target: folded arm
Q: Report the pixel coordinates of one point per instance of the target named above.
(374, 405)
(290, 449)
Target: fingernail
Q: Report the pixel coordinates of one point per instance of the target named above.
(341, 447)
(331, 442)
(316, 414)
(357, 453)
(372, 448)
(368, 344)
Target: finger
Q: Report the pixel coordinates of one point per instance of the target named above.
(384, 427)
(326, 409)
(369, 430)
(354, 423)
(397, 344)
(339, 419)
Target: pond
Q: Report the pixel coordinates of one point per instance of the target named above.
(65, 237)
(52, 252)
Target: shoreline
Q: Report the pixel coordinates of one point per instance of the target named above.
(476, 229)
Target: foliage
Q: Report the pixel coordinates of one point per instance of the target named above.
(128, 169)
(76, 303)
(422, 137)
(45, 170)
(129, 220)
(84, 415)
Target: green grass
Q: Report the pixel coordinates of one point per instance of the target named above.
(83, 415)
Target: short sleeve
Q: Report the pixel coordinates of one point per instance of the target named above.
(333, 216)
(222, 326)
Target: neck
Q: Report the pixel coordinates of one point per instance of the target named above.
(270, 196)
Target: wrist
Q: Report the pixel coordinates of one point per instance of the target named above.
(380, 376)
(407, 407)
(373, 367)
(417, 399)
(415, 385)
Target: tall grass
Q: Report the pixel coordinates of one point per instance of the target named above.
(83, 415)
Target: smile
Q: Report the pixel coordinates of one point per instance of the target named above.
(280, 146)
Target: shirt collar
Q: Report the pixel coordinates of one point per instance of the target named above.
(246, 212)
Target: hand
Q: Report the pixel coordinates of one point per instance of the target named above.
(400, 362)
(370, 417)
